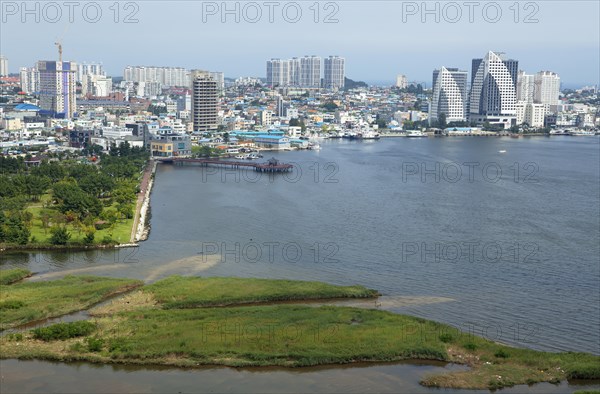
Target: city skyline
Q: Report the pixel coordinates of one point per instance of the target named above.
(389, 81)
(409, 47)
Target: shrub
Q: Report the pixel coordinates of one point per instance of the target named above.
(89, 238)
(446, 338)
(470, 346)
(501, 354)
(77, 347)
(62, 331)
(583, 371)
(107, 240)
(94, 344)
(60, 236)
(15, 337)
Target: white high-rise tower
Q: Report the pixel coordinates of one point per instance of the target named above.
(449, 95)
(335, 72)
(493, 90)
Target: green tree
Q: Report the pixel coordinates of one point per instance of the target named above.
(13, 229)
(90, 235)
(35, 186)
(97, 184)
(60, 236)
(7, 187)
(441, 121)
(330, 106)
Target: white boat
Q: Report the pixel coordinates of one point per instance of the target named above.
(314, 146)
(368, 134)
(415, 134)
(502, 151)
(242, 157)
(580, 132)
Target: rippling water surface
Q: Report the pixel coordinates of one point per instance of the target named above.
(504, 245)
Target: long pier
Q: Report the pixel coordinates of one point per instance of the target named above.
(270, 166)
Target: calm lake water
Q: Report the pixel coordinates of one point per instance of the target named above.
(500, 244)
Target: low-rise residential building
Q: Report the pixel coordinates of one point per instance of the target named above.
(161, 149)
(275, 142)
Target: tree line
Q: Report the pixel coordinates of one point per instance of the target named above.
(68, 196)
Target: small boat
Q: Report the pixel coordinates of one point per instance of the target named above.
(502, 151)
(368, 134)
(241, 157)
(580, 132)
(415, 134)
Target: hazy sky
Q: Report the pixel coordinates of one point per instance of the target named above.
(379, 39)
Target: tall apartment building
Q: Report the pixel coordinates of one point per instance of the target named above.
(3, 66)
(205, 98)
(57, 87)
(525, 87)
(278, 72)
(84, 69)
(148, 89)
(96, 85)
(219, 77)
(169, 76)
(294, 71)
(310, 72)
(493, 90)
(30, 79)
(547, 88)
(401, 81)
(449, 95)
(335, 72)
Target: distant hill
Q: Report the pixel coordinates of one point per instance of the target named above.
(350, 84)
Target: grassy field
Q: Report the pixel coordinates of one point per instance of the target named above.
(11, 276)
(192, 292)
(120, 234)
(139, 329)
(22, 303)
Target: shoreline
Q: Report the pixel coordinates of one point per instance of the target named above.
(141, 228)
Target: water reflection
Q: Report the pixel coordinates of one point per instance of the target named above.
(48, 377)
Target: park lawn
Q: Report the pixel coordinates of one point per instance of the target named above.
(120, 234)
(21, 303)
(192, 292)
(13, 275)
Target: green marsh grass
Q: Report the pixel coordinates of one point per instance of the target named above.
(177, 292)
(13, 275)
(34, 301)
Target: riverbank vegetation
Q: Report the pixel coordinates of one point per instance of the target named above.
(11, 276)
(26, 302)
(177, 322)
(177, 292)
(70, 202)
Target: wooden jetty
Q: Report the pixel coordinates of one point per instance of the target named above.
(272, 165)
